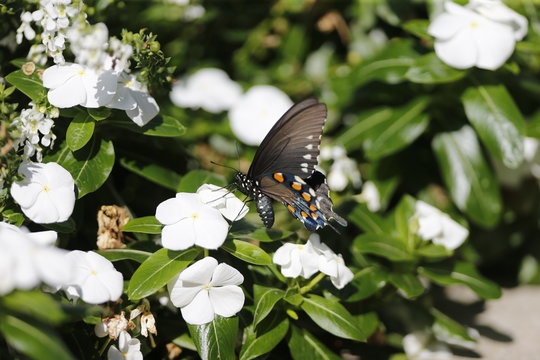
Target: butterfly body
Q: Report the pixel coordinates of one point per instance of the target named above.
(283, 169)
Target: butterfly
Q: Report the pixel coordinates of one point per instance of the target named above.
(283, 169)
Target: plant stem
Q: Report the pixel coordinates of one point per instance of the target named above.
(312, 283)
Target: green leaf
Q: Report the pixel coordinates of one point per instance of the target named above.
(65, 227)
(29, 85)
(194, 179)
(125, 254)
(158, 270)
(36, 304)
(471, 182)
(497, 121)
(265, 300)
(145, 225)
(247, 252)
(367, 220)
(153, 172)
(367, 282)
(429, 69)
(333, 317)
(403, 213)
(400, 128)
(382, 245)
(265, 337)
(36, 340)
(100, 113)
(368, 322)
(462, 273)
(408, 283)
(164, 126)
(304, 346)
(433, 251)
(261, 234)
(450, 331)
(89, 166)
(80, 131)
(216, 339)
(418, 27)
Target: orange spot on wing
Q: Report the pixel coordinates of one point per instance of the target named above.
(296, 186)
(304, 214)
(291, 209)
(279, 177)
(306, 196)
(312, 207)
(313, 215)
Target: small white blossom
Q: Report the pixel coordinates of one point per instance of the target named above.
(206, 289)
(73, 84)
(208, 88)
(95, 280)
(297, 260)
(27, 259)
(89, 44)
(370, 195)
(133, 97)
(481, 34)
(101, 330)
(25, 28)
(46, 194)
(330, 263)
(220, 199)
(342, 170)
(438, 227)
(128, 349)
(422, 345)
(254, 114)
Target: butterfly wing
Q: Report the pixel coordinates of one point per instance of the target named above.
(292, 145)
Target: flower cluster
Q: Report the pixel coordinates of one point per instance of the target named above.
(34, 130)
(54, 18)
(342, 170)
(306, 259)
(128, 348)
(371, 196)
(198, 219)
(206, 289)
(483, 34)
(212, 90)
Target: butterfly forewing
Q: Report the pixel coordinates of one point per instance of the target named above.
(292, 145)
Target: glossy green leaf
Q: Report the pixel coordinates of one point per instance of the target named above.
(403, 213)
(164, 126)
(433, 251)
(497, 121)
(331, 316)
(125, 254)
(80, 131)
(367, 282)
(462, 273)
(450, 331)
(382, 245)
(247, 252)
(36, 304)
(264, 337)
(367, 220)
(29, 85)
(265, 300)
(353, 137)
(429, 69)
(153, 172)
(194, 179)
(408, 283)
(35, 340)
(89, 166)
(100, 113)
(65, 227)
(261, 234)
(216, 340)
(304, 346)
(158, 270)
(145, 225)
(465, 172)
(418, 27)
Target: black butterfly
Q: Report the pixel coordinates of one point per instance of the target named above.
(283, 169)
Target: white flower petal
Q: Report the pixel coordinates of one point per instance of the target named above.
(179, 236)
(170, 211)
(69, 94)
(228, 300)
(495, 45)
(210, 233)
(200, 310)
(57, 75)
(100, 87)
(182, 296)
(445, 26)
(200, 272)
(146, 109)
(282, 255)
(226, 275)
(459, 52)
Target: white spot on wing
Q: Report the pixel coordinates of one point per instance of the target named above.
(310, 137)
(307, 156)
(299, 179)
(309, 146)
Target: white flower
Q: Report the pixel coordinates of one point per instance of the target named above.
(46, 194)
(89, 43)
(481, 34)
(133, 97)
(101, 329)
(220, 199)
(27, 259)
(209, 88)
(73, 84)
(95, 280)
(421, 345)
(254, 114)
(342, 170)
(370, 195)
(197, 219)
(331, 264)
(438, 227)
(25, 28)
(206, 289)
(128, 349)
(531, 166)
(297, 260)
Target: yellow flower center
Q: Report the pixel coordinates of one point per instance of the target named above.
(129, 83)
(46, 188)
(473, 24)
(93, 272)
(194, 216)
(300, 247)
(81, 72)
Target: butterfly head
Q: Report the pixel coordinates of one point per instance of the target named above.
(245, 185)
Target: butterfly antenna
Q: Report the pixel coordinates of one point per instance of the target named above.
(238, 153)
(224, 195)
(225, 166)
